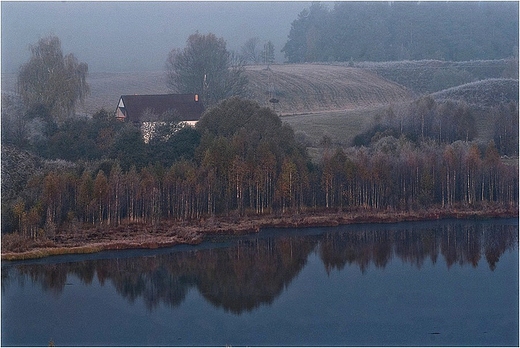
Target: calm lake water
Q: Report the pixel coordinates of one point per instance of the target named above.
(452, 282)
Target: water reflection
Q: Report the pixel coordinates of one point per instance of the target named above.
(253, 271)
(462, 243)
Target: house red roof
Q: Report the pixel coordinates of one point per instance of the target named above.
(143, 108)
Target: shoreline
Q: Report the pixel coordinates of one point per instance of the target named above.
(138, 235)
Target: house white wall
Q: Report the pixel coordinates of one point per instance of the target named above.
(148, 128)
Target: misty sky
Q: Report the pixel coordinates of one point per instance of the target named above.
(137, 36)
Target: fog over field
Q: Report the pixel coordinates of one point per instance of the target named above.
(137, 36)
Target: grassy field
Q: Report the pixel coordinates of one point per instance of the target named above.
(337, 101)
(485, 93)
(340, 126)
(429, 76)
(300, 88)
(304, 88)
(316, 100)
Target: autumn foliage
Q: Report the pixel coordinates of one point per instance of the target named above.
(248, 162)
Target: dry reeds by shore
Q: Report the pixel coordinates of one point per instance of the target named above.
(15, 247)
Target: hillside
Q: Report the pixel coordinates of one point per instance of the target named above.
(303, 88)
(300, 88)
(336, 100)
(485, 93)
(429, 76)
(477, 83)
(340, 126)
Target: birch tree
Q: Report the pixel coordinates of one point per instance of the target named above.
(53, 80)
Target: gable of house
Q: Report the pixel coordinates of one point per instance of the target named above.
(150, 108)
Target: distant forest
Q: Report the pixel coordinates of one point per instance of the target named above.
(389, 31)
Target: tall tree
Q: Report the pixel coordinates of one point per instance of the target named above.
(249, 50)
(53, 80)
(506, 128)
(268, 53)
(205, 67)
(307, 35)
(100, 194)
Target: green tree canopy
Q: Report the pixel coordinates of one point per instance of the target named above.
(53, 80)
(251, 126)
(169, 148)
(205, 67)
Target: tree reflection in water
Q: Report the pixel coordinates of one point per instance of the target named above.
(254, 271)
(462, 243)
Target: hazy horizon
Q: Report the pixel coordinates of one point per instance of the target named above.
(137, 36)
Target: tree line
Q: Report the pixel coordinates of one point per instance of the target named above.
(445, 122)
(246, 161)
(240, 159)
(389, 31)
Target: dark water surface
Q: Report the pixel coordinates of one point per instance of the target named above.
(452, 282)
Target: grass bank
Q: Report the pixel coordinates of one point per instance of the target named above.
(166, 234)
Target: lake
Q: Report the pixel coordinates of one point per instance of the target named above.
(437, 283)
